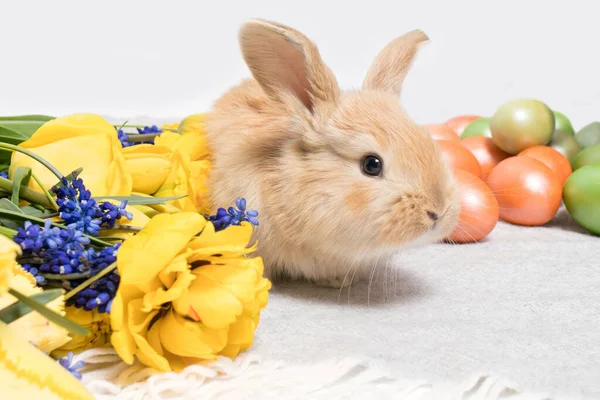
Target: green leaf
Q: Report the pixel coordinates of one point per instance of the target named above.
(35, 212)
(21, 176)
(6, 204)
(140, 200)
(51, 315)
(32, 117)
(19, 309)
(9, 136)
(26, 128)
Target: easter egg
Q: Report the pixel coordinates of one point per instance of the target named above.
(558, 163)
(441, 132)
(522, 123)
(458, 157)
(528, 192)
(587, 156)
(581, 195)
(460, 122)
(589, 134)
(565, 144)
(479, 127)
(562, 123)
(479, 210)
(485, 151)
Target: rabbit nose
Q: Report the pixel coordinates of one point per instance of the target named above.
(433, 215)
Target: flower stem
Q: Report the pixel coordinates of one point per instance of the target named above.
(9, 233)
(8, 146)
(128, 228)
(91, 280)
(32, 196)
(141, 137)
(46, 192)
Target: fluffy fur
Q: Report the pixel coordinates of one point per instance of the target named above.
(291, 142)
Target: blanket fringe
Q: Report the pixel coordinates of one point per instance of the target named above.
(248, 377)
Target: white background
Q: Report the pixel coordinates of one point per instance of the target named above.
(171, 59)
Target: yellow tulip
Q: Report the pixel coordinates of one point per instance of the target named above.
(33, 327)
(79, 140)
(188, 178)
(170, 127)
(149, 166)
(9, 251)
(195, 298)
(27, 373)
(190, 140)
(97, 323)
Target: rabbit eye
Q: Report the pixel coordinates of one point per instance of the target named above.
(372, 166)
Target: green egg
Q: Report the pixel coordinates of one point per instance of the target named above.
(589, 134)
(566, 144)
(587, 156)
(562, 123)
(581, 195)
(520, 124)
(479, 127)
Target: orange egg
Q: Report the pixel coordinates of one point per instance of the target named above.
(459, 157)
(486, 152)
(479, 211)
(460, 122)
(557, 162)
(528, 192)
(441, 132)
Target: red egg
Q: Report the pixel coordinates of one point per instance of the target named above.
(441, 132)
(485, 151)
(459, 157)
(551, 158)
(479, 211)
(528, 192)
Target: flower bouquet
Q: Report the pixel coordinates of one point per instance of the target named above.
(107, 239)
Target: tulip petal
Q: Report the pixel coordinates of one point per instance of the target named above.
(166, 139)
(231, 350)
(27, 373)
(121, 338)
(79, 140)
(215, 304)
(149, 166)
(233, 240)
(144, 255)
(242, 332)
(150, 351)
(236, 277)
(67, 127)
(159, 297)
(169, 275)
(191, 339)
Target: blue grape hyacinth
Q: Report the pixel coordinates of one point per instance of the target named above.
(77, 207)
(67, 363)
(63, 256)
(147, 130)
(233, 216)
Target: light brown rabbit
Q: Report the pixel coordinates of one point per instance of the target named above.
(342, 180)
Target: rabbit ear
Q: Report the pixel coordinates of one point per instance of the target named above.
(283, 60)
(388, 70)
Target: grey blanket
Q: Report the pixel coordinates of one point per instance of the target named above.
(523, 305)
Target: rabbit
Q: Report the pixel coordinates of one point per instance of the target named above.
(341, 179)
